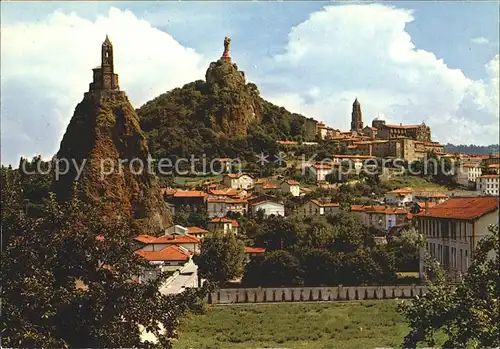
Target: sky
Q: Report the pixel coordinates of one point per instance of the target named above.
(406, 62)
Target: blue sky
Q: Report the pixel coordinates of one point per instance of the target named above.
(406, 61)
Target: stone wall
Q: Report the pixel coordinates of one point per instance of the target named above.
(311, 294)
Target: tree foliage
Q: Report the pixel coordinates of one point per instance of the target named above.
(65, 287)
(468, 313)
(221, 258)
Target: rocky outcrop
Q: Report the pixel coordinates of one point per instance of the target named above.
(240, 103)
(104, 132)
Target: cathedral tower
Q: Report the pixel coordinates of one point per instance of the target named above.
(356, 117)
(104, 76)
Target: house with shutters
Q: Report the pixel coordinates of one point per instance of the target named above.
(453, 229)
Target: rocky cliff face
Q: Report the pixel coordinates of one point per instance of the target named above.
(240, 102)
(104, 130)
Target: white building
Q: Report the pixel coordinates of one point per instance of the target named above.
(318, 208)
(176, 230)
(319, 171)
(467, 173)
(399, 197)
(238, 181)
(290, 186)
(453, 229)
(488, 184)
(269, 207)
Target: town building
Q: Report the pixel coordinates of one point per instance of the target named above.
(488, 184)
(370, 131)
(188, 199)
(170, 258)
(221, 207)
(262, 186)
(254, 252)
(318, 208)
(225, 225)
(267, 206)
(319, 171)
(420, 132)
(104, 77)
(399, 197)
(356, 117)
(453, 230)
(238, 181)
(467, 173)
(190, 243)
(290, 186)
(493, 168)
(197, 232)
(382, 217)
(491, 159)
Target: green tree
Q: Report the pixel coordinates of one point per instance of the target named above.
(280, 268)
(468, 313)
(221, 258)
(69, 279)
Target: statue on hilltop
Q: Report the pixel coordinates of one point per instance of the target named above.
(225, 56)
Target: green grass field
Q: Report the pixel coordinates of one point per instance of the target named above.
(353, 325)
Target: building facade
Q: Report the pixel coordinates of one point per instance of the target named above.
(453, 229)
(488, 184)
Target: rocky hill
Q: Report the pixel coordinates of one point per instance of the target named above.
(103, 131)
(221, 116)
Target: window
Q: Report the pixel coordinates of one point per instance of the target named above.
(461, 260)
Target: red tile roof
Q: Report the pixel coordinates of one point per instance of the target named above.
(225, 192)
(380, 209)
(462, 208)
(196, 230)
(190, 194)
(237, 175)
(270, 186)
(169, 253)
(492, 176)
(233, 222)
(254, 250)
(494, 166)
(174, 239)
(145, 238)
(228, 201)
(325, 204)
(427, 204)
(470, 165)
(291, 182)
(169, 192)
(221, 220)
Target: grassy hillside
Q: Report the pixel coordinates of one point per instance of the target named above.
(308, 325)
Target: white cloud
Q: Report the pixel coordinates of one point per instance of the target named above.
(480, 40)
(363, 50)
(46, 67)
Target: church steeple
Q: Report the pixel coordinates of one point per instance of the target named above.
(104, 76)
(356, 116)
